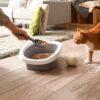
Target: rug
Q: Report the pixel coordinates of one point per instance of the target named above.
(10, 46)
(4, 32)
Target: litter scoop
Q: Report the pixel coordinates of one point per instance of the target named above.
(37, 43)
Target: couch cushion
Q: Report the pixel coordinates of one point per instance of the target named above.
(32, 4)
(17, 3)
(22, 13)
(18, 18)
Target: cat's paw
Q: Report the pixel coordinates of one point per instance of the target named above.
(87, 61)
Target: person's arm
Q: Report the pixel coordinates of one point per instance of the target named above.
(15, 30)
(5, 21)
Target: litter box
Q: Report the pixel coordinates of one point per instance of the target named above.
(29, 49)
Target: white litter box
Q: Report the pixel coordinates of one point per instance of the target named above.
(29, 49)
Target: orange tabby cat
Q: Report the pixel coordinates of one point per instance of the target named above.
(89, 37)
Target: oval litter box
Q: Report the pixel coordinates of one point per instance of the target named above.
(29, 49)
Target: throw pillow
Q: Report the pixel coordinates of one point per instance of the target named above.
(35, 21)
(17, 3)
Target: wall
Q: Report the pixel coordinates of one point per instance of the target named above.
(3, 3)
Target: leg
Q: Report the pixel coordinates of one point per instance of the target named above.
(89, 57)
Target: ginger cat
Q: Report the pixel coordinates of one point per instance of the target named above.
(89, 37)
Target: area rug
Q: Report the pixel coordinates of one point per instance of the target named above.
(10, 46)
(4, 32)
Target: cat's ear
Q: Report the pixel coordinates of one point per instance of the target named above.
(78, 29)
(80, 32)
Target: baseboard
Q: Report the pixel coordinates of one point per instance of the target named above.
(58, 26)
(75, 25)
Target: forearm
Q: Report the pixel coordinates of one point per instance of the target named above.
(11, 26)
(4, 19)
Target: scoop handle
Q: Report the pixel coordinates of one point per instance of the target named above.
(18, 35)
(33, 40)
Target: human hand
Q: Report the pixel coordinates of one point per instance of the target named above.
(23, 35)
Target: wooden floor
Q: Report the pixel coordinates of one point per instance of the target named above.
(80, 82)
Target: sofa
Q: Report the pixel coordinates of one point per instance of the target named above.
(21, 11)
(58, 12)
(93, 7)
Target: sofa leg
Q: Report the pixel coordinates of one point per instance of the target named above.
(19, 25)
(67, 24)
(25, 26)
(96, 16)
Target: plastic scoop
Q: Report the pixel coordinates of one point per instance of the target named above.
(37, 43)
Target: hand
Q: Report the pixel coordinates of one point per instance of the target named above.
(14, 29)
(23, 36)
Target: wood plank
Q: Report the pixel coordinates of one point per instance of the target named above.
(13, 62)
(85, 87)
(20, 75)
(28, 91)
(7, 65)
(82, 55)
(69, 73)
(16, 79)
(95, 63)
(8, 59)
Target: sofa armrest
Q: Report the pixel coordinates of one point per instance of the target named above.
(96, 16)
(45, 8)
(59, 11)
